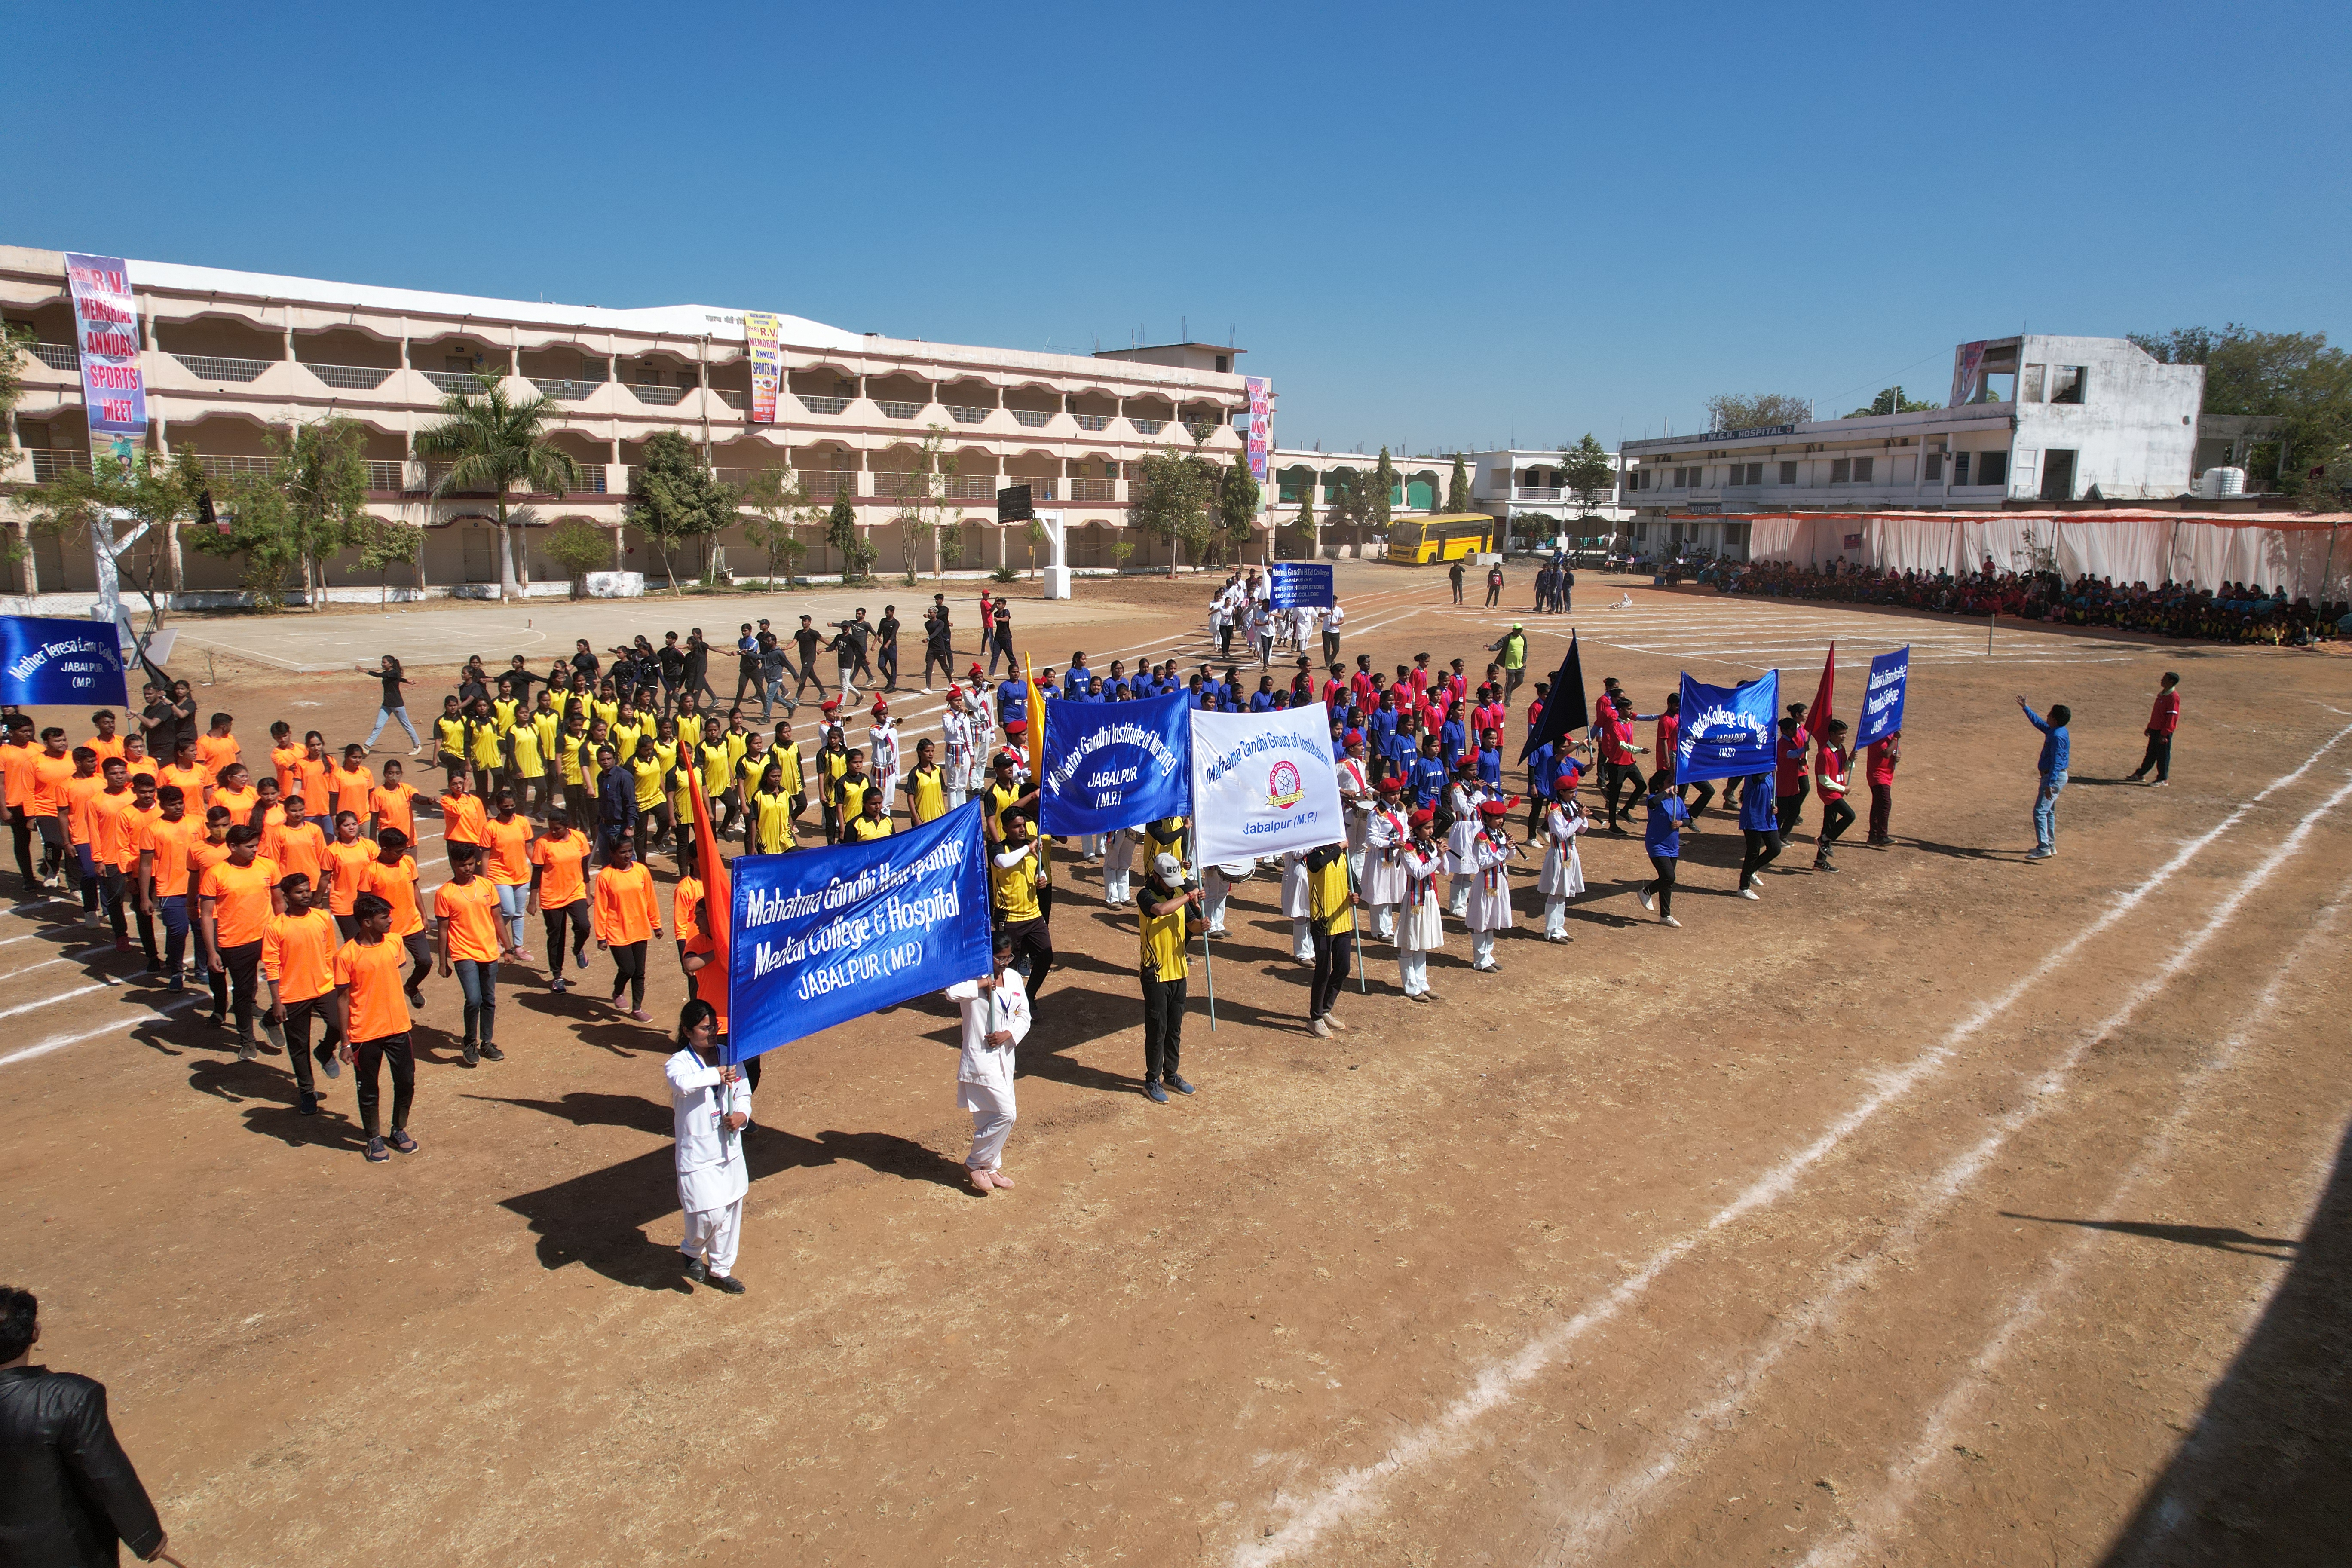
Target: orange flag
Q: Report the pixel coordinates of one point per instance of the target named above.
(718, 890)
(1817, 716)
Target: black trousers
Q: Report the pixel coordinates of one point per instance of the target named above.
(1615, 776)
(1333, 955)
(243, 976)
(2159, 756)
(1763, 848)
(366, 1056)
(1705, 796)
(22, 827)
(1032, 940)
(887, 656)
(1662, 884)
(629, 970)
(1836, 817)
(1226, 640)
(298, 1037)
(747, 678)
(1788, 811)
(932, 656)
(1164, 1026)
(573, 915)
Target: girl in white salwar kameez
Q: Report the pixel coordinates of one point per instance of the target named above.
(1356, 801)
(1298, 902)
(1386, 837)
(710, 1107)
(1216, 888)
(1421, 923)
(1462, 798)
(995, 1018)
(1563, 877)
(1490, 892)
(1118, 862)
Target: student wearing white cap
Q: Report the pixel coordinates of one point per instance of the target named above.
(1164, 908)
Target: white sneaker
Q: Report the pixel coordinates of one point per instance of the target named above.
(1670, 920)
(1748, 893)
(1649, 899)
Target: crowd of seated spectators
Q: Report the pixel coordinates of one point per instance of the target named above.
(2234, 612)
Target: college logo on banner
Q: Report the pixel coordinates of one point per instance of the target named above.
(1115, 764)
(1729, 732)
(1297, 584)
(1881, 700)
(1263, 783)
(821, 936)
(59, 661)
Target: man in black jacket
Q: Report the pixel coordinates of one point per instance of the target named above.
(68, 1493)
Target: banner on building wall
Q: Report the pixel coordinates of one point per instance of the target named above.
(1261, 426)
(106, 330)
(1727, 732)
(59, 662)
(1263, 783)
(1115, 764)
(1965, 371)
(1301, 584)
(760, 333)
(1882, 699)
(821, 936)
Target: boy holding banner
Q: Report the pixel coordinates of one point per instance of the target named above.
(1165, 909)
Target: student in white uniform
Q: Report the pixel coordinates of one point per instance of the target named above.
(1354, 801)
(1118, 864)
(966, 735)
(1298, 902)
(882, 755)
(1421, 923)
(1563, 877)
(1387, 833)
(995, 1019)
(1462, 798)
(1216, 888)
(1490, 892)
(710, 1107)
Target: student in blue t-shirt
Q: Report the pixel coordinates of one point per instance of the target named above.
(1541, 774)
(1012, 701)
(1451, 739)
(2057, 750)
(1429, 774)
(1262, 700)
(1663, 838)
(1197, 694)
(1760, 823)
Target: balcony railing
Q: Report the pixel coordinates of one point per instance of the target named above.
(1202, 429)
(1034, 417)
(1039, 489)
(590, 481)
(824, 484)
(453, 381)
(1094, 421)
(658, 395)
(1536, 492)
(222, 466)
(351, 377)
(966, 413)
(1147, 427)
(891, 486)
(211, 367)
(387, 474)
(564, 389)
(972, 486)
(57, 356)
(821, 405)
(740, 402)
(1094, 489)
(892, 409)
(49, 462)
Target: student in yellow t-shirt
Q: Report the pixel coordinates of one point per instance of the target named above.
(527, 765)
(768, 828)
(1162, 910)
(927, 795)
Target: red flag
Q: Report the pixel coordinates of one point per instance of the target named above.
(1817, 716)
(717, 891)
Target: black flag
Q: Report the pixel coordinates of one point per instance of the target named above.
(1564, 707)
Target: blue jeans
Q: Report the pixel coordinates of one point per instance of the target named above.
(479, 982)
(400, 713)
(2045, 812)
(513, 899)
(176, 933)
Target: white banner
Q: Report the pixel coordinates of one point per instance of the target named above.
(1263, 783)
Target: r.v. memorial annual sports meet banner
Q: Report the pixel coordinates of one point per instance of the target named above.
(1263, 783)
(821, 936)
(1115, 764)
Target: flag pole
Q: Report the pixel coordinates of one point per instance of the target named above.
(1350, 872)
(1207, 958)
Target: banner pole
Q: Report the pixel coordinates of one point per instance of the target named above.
(1210, 959)
(1350, 871)
(1989, 619)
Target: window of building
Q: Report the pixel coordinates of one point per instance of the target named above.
(1841, 470)
(1960, 468)
(1864, 467)
(1224, 363)
(1746, 474)
(1788, 473)
(2058, 474)
(2029, 389)
(1934, 468)
(1992, 467)
(2067, 384)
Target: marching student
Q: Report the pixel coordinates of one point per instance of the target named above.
(628, 918)
(506, 862)
(1386, 836)
(1832, 763)
(768, 820)
(1792, 778)
(2163, 720)
(464, 819)
(352, 788)
(1332, 916)
(882, 754)
(1421, 919)
(298, 961)
(1164, 932)
(559, 892)
(392, 877)
(872, 822)
(367, 1010)
(1298, 904)
(1563, 877)
(927, 792)
(296, 844)
(1014, 879)
(471, 937)
(233, 908)
(1759, 827)
(1878, 770)
(710, 1107)
(995, 1020)
(1118, 865)
(164, 881)
(347, 857)
(1462, 799)
(1662, 837)
(1669, 739)
(1490, 894)
(1356, 799)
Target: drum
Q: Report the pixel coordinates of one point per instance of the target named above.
(1236, 871)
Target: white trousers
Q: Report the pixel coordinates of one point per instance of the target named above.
(890, 795)
(1214, 905)
(957, 796)
(713, 1233)
(1555, 916)
(1115, 880)
(1458, 896)
(1302, 942)
(1412, 966)
(1384, 922)
(1482, 949)
(1090, 845)
(988, 1130)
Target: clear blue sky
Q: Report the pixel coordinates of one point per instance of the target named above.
(1436, 225)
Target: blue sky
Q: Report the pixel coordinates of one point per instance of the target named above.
(1432, 226)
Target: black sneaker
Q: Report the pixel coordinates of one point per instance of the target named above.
(376, 1152)
(490, 1053)
(473, 1053)
(403, 1142)
(329, 1061)
(306, 1104)
(1178, 1082)
(727, 1282)
(698, 1270)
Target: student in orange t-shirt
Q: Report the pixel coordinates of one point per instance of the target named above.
(194, 779)
(297, 959)
(105, 742)
(163, 876)
(462, 814)
(628, 916)
(285, 759)
(559, 891)
(296, 844)
(104, 813)
(233, 788)
(367, 1008)
(85, 781)
(354, 788)
(314, 776)
(473, 940)
(506, 861)
(51, 769)
(394, 805)
(392, 877)
(130, 832)
(17, 756)
(233, 910)
(348, 858)
(217, 747)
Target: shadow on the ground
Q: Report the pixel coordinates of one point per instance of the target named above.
(2221, 1238)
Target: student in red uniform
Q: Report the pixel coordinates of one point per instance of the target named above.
(2162, 721)
(368, 1010)
(1788, 781)
(1831, 765)
(297, 960)
(1878, 768)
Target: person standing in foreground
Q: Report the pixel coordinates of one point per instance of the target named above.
(1662, 837)
(1331, 921)
(69, 1494)
(710, 1107)
(1563, 877)
(1759, 827)
(297, 960)
(1878, 769)
(1165, 909)
(995, 1020)
(2057, 749)
(369, 1013)
(2162, 721)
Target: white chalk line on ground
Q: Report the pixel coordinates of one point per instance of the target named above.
(1357, 1490)
(59, 1042)
(1627, 1493)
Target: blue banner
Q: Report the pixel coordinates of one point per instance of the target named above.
(1881, 700)
(821, 936)
(1729, 732)
(59, 662)
(1115, 764)
(1301, 584)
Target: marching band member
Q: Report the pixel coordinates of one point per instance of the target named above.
(995, 1019)
(1420, 924)
(1386, 835)
(1118, 864)
(966, 737)
(882, 755)
(1462, 799)
(1355, 800)
(1490, 894)
(1563, 877)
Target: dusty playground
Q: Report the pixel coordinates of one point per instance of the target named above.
(1950, 1209)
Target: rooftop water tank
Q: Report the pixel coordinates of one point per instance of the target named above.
(2219, 482)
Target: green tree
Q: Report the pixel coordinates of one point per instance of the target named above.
(924, 514)
(1237, 502)
(841, 533)
(1381, 500)
(493, 443)
(292, 520)
(1749, 411)
(673, 498)
(1172, 500)
(2293, 376)
(1457, 489)
(580, 547)
(779, 502)
(90, 503)
(1890, 400)
(1587, 472)
(383, 543)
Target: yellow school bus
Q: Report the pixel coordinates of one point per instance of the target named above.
(1450, 538)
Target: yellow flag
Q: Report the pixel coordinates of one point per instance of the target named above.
(1036, 722)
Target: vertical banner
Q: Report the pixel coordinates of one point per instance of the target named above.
(1263, 783)
(106, 330)
(821, 936)
(1260, 439)
(1882, 698)
(759, 331)
(1115, 764)
(1729, 732)
(59, 662)
(1966, 366)
(1297, 584)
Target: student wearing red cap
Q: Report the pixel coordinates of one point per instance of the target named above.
(1387, 835)
(1563, 877)
(1490, 891)
(1420, 860)
(1355, 799)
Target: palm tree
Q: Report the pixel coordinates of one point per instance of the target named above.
(494, 443)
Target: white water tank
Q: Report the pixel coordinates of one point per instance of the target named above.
(2215, 482)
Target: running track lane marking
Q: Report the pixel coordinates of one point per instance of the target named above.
(1792, 1326)
(1357, 1491)
(1906, 1475)
(59, 1042)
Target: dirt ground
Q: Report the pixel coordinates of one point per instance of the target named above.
(1952, 1209)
